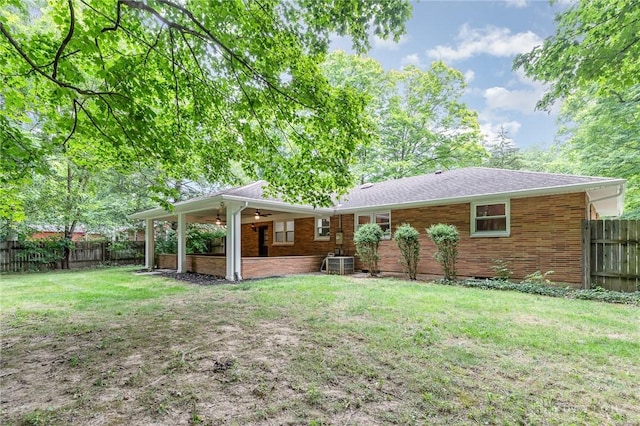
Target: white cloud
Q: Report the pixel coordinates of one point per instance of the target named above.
(489, 40)
(514, 100)
(492, 130)
(522, 99)
(412, 59)
(469, 75)
(389, 44)
(517, 3)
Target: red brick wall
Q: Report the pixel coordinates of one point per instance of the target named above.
(545, 236)
(212, 265)
(303, 245)
(255, 267)
(167, 261)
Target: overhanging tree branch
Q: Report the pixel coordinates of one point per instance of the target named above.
(67, 39)
(38, 69)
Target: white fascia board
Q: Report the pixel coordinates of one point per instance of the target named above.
(198, 205)
(155, 214)
(524, 193)
(182, 207)
(279, 206)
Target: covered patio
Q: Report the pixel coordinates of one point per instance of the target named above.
(249, 219)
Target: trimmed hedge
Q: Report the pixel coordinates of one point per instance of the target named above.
(597, 294)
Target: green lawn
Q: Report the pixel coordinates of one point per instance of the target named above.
(111, 347)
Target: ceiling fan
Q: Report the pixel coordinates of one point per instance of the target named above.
(258, 215)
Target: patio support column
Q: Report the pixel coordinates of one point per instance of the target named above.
(149, 244)
(234, 246)
(182, 243)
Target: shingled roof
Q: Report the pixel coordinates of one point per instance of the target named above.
(452, 186)
(467, 183)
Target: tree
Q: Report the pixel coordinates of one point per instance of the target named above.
(367, 239)
(365, 75)
(503, 154)
(602, 138)
(420, 123)
(408, 240)
(184, 87)
(596, 42)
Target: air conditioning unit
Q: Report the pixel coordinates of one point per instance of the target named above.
(340, 265)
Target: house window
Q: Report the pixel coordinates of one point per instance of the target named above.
(284, 232)
(490, 219)
(382, 218)
(323, 227)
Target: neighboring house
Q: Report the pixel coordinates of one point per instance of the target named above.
(530, 219)
(51, 231)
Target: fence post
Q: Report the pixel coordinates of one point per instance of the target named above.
(586, 254)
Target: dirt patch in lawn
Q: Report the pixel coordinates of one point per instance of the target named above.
(194, 361)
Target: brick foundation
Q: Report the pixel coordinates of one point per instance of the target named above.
(256, 267)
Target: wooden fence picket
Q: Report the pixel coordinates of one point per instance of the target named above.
(610, 254)
(84, 254)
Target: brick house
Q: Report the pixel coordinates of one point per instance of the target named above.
(533, 220)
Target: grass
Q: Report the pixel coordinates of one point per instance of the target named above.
(108, 346)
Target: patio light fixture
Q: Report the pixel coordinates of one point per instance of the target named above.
(218, 221)
(257, 215)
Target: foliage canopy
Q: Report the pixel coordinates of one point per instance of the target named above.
(185, 87)
(596, 42)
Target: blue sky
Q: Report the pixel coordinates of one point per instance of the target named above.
(481, 38)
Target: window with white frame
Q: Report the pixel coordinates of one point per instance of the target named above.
(490, 219)
(283, 232)
(382, 218)
(323, 228)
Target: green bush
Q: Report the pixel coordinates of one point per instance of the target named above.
(538, 278)
(446, 238)
(367, 239)
(199, 239)
(408, 240)
(597, 294)
(45, 252)
(501, 268)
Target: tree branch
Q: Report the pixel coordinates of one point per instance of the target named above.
(67, 39)
(38, 69)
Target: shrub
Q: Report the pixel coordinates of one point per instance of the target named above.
(446, 238)
(407, 239)
(501, 268)
(598, 294)
(538, 278)
(199, 239)
(45, 252)
(367, 239)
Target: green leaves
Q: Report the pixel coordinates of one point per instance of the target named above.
(408, 240)
(420, 123)
(596, 42)
(367, 239)
(191, 88)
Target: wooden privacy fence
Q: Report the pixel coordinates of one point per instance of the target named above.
(15, 257)
(611, 254)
